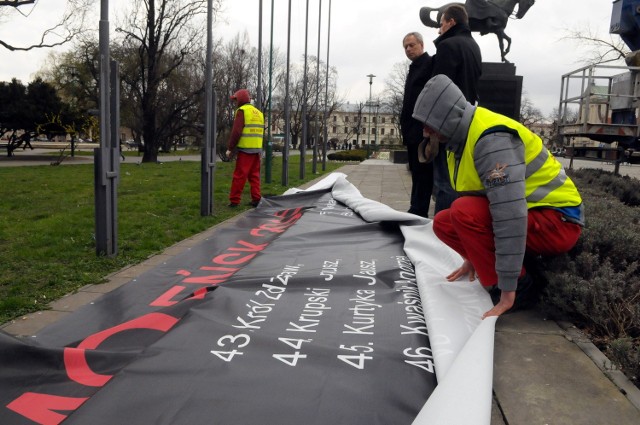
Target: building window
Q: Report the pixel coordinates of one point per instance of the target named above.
(393, 120)
(392, 131)
(334, 130)
(382, 131)
(335, 118)
(364, 119)
(383, 120)
(346, 129)
(346, 118)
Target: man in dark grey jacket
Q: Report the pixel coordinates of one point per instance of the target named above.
(419, 73)
(458, 57)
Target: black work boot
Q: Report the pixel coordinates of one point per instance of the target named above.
(527, 293)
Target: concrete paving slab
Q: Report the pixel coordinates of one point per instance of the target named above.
(72, 302)
(546, 379)
(527, 321)
(29, 325)
(113, 282)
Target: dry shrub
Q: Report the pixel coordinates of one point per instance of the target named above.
(597, 284)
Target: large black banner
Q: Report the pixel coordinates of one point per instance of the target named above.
(301, 313)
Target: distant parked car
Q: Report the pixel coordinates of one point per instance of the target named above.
(132, 144)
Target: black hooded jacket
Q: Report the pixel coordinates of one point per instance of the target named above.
(458, 57)
(418, 75)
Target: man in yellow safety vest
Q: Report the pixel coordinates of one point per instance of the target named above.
(515, 197)
(245, 142)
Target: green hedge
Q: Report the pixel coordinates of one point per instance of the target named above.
(350, 155)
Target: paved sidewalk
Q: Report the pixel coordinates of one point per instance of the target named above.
(544, 372)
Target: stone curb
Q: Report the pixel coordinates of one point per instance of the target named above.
(607, 367)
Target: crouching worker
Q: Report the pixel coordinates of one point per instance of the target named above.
(515, 196)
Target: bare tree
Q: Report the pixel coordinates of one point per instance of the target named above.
(74, 74)
(354, 125)
(571, 116)
(529, 114)
(69, 26)
(163, 34)
(317, 111)
(599, 49)
(235, 67)
(394, 90)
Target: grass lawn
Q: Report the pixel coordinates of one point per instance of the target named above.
(47, 224)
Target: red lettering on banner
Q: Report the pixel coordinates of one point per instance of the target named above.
(290, 217)
(213, 279)
(249, 247)
(165, 300)
(74, 358)
(231, 257)
(222, 259)
(199, 294)
(40, 408)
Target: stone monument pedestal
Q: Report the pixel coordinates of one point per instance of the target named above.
(500, 89)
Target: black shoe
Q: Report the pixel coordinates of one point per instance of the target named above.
(254, 203)
(421, 213)
(495, 293)
(232, 205)
(527, 293)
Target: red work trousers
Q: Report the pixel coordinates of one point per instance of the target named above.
(467, 228)
(247, 167)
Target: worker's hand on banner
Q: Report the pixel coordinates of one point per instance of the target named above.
(465, 269)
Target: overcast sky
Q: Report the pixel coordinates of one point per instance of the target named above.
(366, 38)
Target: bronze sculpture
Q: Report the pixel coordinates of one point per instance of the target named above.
(485, 16)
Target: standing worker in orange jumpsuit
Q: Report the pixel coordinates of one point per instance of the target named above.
(245, 142)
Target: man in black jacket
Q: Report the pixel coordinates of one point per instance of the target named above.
(419, 73)
(458, 57)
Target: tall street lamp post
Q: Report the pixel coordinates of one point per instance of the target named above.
(371, 77)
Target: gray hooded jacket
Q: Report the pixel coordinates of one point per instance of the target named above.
(443, 108)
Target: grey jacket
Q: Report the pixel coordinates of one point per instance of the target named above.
(442, 107)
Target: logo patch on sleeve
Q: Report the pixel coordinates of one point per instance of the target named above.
(497, 176)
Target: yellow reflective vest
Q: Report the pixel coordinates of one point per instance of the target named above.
(546, 184)
(253, 130)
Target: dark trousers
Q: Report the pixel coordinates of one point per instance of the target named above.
(445, 194)
(421, 182)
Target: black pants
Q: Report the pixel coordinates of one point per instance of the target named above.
(421, 182)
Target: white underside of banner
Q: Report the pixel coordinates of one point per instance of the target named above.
(462, 343)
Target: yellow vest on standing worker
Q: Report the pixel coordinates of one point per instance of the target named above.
(253, 130)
